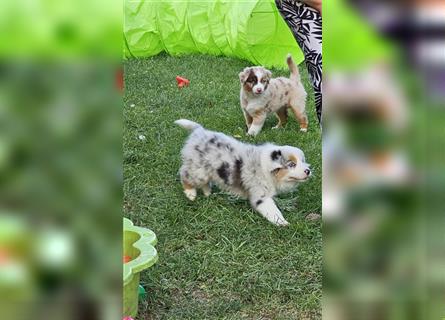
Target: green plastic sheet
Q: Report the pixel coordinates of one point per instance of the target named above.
(252, 30)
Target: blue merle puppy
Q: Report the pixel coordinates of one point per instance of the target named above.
(250, 171)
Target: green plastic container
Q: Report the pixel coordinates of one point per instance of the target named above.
(139, 246)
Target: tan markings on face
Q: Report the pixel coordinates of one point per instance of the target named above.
(281, 174)
(264, 77)
(293, 158)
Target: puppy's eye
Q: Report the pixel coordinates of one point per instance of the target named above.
(292, 165)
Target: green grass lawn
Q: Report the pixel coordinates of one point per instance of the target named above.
(218, 259)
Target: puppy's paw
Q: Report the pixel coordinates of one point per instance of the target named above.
(281, 223)
(253, 131)
(278, 126)
(303, 129)
(190, 194)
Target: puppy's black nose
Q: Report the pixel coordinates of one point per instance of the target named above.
(307, 171)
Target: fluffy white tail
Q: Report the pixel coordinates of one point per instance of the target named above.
(187, 124)
(294, 74)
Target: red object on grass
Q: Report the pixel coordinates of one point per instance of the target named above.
(4, 256)
(127, 259)
(182, 81)
(119, 78)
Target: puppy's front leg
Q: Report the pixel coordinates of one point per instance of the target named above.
(248, 118)
(268, 209)
(257, 124)
(246, 114)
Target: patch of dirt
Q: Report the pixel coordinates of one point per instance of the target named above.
(313, 216)
(200, 295)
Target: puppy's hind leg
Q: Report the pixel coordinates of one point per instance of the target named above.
(300, 115)
(282, 117)
(269, 210)
(206, 189)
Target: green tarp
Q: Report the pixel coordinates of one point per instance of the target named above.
(251, 30)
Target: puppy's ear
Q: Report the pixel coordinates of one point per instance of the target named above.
(243, 75)
(301, 154)
(277, 160)
(268, 74)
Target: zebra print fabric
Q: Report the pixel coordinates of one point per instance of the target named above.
(306, 26)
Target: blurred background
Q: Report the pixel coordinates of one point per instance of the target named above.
(383, 159)
(60, 160)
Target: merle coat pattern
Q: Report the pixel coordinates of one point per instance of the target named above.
(250, 171)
